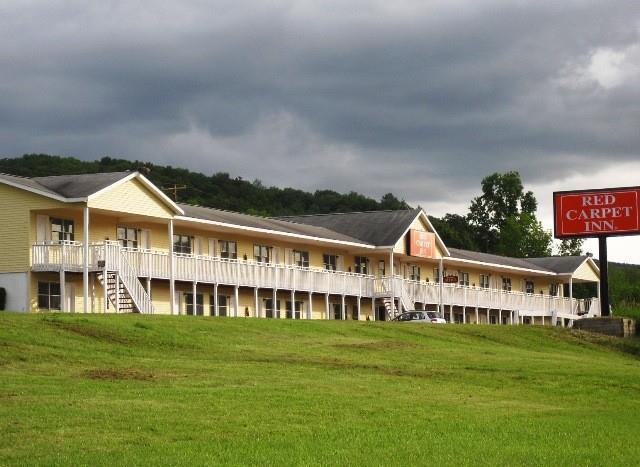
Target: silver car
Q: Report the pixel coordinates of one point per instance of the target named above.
(420, 316)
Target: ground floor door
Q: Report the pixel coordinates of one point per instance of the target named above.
(381, 313)
(70, 298)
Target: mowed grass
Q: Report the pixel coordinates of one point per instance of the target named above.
(132, 390)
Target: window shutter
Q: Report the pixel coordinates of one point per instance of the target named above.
(145, 239)
(288, 252)
(198, 246)
(278, 255)
(340, 263)
(43, 228)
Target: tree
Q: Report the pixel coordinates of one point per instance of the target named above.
(571, 247)
(504, 220)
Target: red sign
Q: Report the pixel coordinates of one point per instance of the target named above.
(450, 279)
(596, 213)
(421, 243)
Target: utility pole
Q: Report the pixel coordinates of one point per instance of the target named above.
(174, 190)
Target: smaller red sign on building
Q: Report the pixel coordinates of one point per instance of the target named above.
(421, 243)
(451, 279)
(595, 213)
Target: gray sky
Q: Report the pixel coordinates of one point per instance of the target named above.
(420, 98)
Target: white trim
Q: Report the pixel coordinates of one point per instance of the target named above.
(42, 193)
(273, 232)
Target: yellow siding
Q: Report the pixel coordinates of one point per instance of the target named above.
(15, 211)
(586, 272)
(131, 197)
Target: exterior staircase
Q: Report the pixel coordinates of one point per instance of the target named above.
(390, 306)
(117, 293)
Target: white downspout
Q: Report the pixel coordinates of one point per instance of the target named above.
(85, 265)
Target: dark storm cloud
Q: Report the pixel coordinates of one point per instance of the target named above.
(409, 97)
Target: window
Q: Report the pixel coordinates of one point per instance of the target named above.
(553, 290)
(183, 244)
(49, 295)
(381, 269)
(223, 305)
(269, 311)
(262, 253)
(529, 287)
(337, 311)
(128, 237)
(436, 274)
(188, 301)
(414, 272)
(298, 309)
(361, 264)
(463, 278)
(484, 281)
(228, 249)
(493, 319)
(330, 262)
(506, 284)
(301, 258)
(61, 230)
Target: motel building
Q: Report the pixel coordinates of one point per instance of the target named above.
(115, 243)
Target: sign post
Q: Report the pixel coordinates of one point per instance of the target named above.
(598, 213)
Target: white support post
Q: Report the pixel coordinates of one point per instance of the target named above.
(310, 308)
(571, 294)
(326, 305)
(236, 299)
(274, 306)
(194, 291)
(63, 291)
(477, 316)
(293, 304)
(451, 313)
(256, 311)
(543, 320)
(441, 289)
(216, 302)
(393, 281)
(359, 307)
(373, 308)
(172, 280)
(105, 289)
(464, 315)
(342, 311)
(85, 265)
(511, 317)
(500, 316)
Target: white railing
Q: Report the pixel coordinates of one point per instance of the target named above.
(155, 265)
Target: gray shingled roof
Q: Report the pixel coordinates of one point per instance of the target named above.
(555, 264)
(217, 215)
(80, 186)
(560, 264)
(68, 186)
(379, 228)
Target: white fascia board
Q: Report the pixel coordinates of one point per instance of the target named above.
(273, 232)
(443, 247)
(147, 183)
(43, 193)
(500, 266)
(593, 264)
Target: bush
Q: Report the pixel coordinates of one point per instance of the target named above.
(3, 298)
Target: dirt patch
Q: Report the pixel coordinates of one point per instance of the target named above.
(88, 331)
(115, 374)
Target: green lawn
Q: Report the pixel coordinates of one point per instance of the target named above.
(130, 390)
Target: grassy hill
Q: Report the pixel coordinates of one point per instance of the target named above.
(131, 389)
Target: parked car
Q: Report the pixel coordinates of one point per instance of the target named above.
(420, 316)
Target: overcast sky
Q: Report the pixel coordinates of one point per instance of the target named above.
(420, 98)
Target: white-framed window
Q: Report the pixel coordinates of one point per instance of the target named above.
(182, 244)
(127, 237)
(484, 281)
(262, 253)
(361, 265)
(48, 295)
(62, 230)
(414, 272)
(188, 304)
(301, 258)
(529, 287)
(269, 312)
(228, 249)
(224, 302)
(506, 284)
(298, 310)
(463, 278)
(330, 262)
